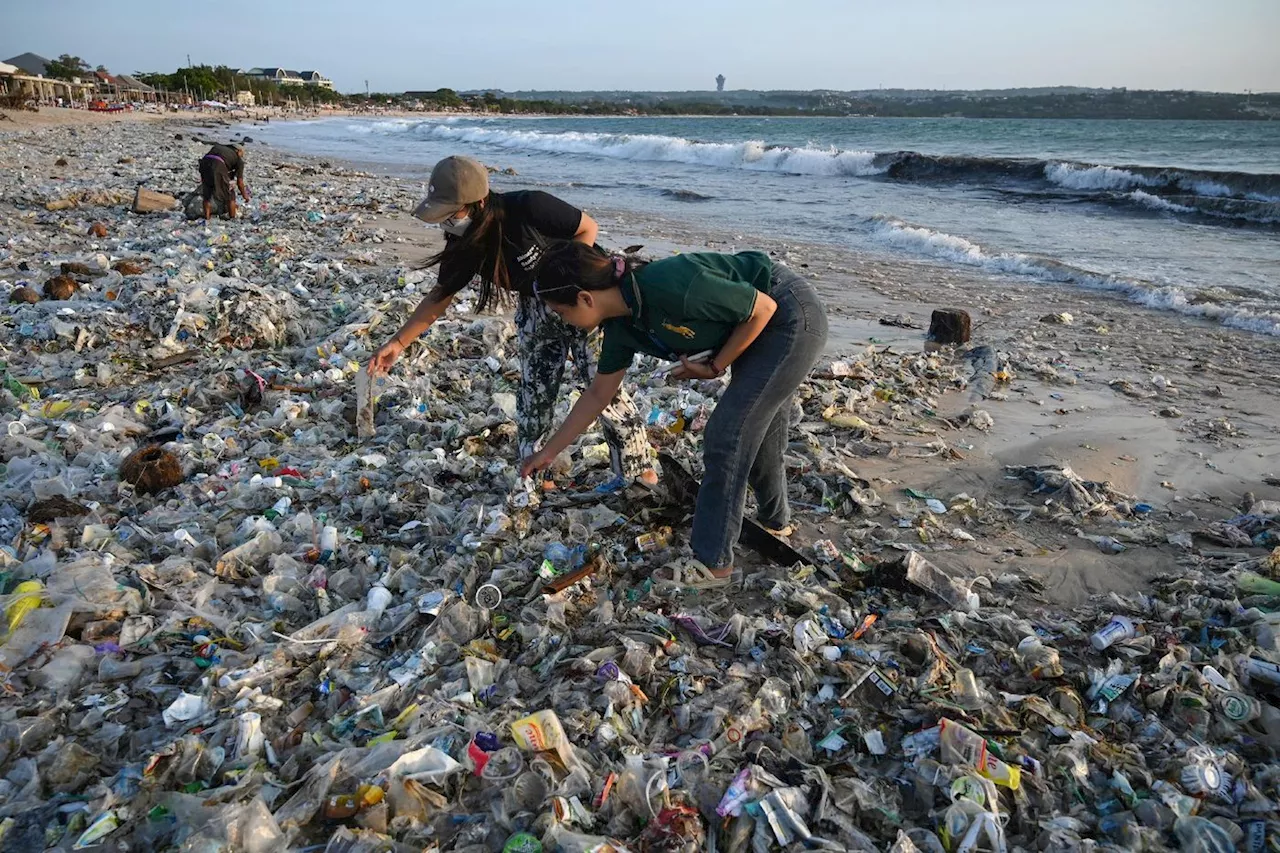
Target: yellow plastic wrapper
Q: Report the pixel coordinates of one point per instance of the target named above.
(839, 418)
(27, 599)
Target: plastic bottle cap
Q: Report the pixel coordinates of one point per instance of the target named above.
(488, 596)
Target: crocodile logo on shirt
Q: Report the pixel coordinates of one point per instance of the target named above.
(683, 331)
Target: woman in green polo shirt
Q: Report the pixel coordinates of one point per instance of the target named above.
(711, 312)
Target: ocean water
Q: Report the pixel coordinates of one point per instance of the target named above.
(1182, 216)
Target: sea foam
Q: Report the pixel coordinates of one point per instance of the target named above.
(918, 240)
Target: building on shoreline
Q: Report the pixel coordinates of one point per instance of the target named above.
(279, 76)
(24, 75)
(315, 78)
(123, 87)
(285, 77)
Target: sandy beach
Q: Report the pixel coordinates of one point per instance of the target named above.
(1177, 413)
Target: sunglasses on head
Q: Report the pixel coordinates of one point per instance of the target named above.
(539, 290)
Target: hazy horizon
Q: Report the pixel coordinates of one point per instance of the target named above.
(813, 44)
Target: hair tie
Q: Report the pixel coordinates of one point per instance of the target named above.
(619, 267)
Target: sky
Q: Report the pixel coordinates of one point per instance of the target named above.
(1223, 45)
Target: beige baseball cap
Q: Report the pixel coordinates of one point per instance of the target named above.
(455, 182)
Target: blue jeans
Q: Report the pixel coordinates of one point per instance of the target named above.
(747, 433)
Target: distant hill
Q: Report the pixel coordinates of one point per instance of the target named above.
(748, 96)
(1041, 102)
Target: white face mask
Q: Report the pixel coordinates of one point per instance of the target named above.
(456, 226)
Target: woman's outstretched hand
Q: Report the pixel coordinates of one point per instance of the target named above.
(539, 461)
(385, 357)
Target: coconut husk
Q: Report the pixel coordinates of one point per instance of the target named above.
(24, 294)
(98, 229)
(77, 268)
(128, 267)
(151, 469)
(56, 507)
(60, 287)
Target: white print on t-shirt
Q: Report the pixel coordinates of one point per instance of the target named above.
(529, 260)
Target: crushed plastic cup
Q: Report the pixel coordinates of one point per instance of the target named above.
(378, 599)
(1037, 659)
(527, 791)
(503, 765)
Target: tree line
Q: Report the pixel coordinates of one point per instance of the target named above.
(203, 82)
(218, 81)
(1116, 104)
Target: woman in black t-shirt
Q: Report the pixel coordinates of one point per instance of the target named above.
(500, 238)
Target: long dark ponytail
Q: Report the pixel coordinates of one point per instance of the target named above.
(476, 253)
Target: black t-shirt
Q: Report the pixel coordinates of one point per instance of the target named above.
(532, 219)
(235, 163)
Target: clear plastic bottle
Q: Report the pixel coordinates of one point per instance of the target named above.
(328, 543)
(1199, 835)
(1119, 628)
(252, 553)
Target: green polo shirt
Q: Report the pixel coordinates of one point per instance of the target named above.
(684, 305)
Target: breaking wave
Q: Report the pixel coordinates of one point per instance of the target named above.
(1155, 202)
(1241, 197)
(1076, 176)
(753, 155)
(918, 240)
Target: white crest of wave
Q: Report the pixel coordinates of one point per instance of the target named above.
(949, 247)
(1074, 176)
(1205, 187)
(1156, 203)
(395, 125)
(753, 155)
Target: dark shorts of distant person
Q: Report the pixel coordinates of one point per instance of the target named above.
(215, 179)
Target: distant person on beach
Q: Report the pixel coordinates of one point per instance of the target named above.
(709, 312)
(216, 169)
(499, 239)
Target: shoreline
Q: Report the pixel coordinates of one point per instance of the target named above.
(1085, 394)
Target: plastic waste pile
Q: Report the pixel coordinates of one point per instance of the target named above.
(350, 625)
